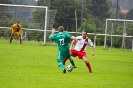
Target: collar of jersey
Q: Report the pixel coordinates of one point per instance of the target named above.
(60, 32)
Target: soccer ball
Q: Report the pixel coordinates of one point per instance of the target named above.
(69, 68)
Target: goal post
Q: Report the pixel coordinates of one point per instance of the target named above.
(124, 31)
(30, 17)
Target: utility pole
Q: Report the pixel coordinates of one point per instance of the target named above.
(48, 17)
(117, 9)
(116, 14)
(82, 11)
(15, 11)
(48, 4)
(76, 20)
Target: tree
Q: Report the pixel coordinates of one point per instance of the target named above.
(5, 1)
(3, 9)
(130, 14)
(5, 15)
(24, 2)
(65, 12)
(100, 10)
(88, 25)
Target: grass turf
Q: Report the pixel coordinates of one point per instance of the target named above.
(32, 65)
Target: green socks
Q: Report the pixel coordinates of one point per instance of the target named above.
(72, 62)
(61, 65)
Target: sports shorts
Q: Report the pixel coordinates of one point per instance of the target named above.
(62, 55)
(80, 54)
(16, 32)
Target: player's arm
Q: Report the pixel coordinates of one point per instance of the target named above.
(92, 50)
(52, 36)
(71, 46)
(75, 38)
(53, 31)
(20, 30)
(13, 29)
(91, 44)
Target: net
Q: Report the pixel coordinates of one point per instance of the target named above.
(118, 33)
(30, 17)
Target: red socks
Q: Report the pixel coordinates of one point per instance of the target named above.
(89, 66)
(11, 39)
(20, 41)
(64, 61)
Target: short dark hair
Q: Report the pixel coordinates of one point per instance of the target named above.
(17, 22)
(60, 28)
(85, 31)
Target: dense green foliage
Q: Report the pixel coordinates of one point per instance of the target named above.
(66, 12)
(99, 9)
(130, 14)
(5, 17)
(89, 26)
(5, 1)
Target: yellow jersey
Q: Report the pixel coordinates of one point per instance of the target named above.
(16, 29)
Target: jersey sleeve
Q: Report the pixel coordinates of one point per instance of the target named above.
(52, 37)
(90, 42)
(74, 40)
(13, 26)
(20, 28)
(68, 36)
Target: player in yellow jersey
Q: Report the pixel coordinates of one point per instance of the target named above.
(16, 29)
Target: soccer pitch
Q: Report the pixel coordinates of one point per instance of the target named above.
(32, 65)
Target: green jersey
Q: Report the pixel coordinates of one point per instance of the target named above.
(61, 39)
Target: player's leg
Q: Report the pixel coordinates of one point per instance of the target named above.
(60, 59)
(87, 63)
(11, 38)
(72, 62)
(68, 56)
(62, 67)
(20, 39)
(70, 59)
(64, 61)
(82, 55)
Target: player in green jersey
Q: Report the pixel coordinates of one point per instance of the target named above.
(61, 38)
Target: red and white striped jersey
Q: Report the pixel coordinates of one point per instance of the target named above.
(82, 44)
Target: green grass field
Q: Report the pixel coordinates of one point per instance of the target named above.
(32, 65)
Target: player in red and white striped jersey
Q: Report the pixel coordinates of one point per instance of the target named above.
(82, 44)
(80, 47)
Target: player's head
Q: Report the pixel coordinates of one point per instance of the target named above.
(84, 33)
(17, 22)
(60, 28)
